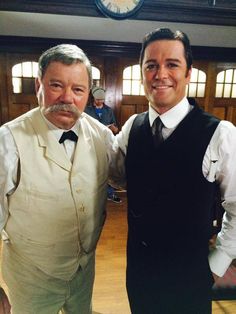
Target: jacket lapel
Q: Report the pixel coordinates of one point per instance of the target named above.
(53, 150)
(82, 157)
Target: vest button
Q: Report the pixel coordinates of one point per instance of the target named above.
(144, 243)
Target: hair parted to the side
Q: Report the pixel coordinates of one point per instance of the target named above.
(167, 34)
(67, 54)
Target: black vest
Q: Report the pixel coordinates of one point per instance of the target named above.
(169, 200)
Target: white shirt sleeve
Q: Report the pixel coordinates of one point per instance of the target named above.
(109, 139)
(222, 151)
(119, 149)
(8, 171)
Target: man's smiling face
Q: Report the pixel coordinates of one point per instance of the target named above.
(165, 74)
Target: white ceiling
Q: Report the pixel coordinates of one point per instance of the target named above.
(94, 28)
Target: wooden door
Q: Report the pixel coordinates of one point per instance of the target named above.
(24, 99)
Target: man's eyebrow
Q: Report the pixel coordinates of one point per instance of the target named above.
(168, 60)
(150, 60)
(173, 60)
(54, 79)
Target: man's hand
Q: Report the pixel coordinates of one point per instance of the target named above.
(113, 128)
(5, 307)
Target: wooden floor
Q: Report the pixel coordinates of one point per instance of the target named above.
(109, 291)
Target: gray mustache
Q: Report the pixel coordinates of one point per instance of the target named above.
(63, 107)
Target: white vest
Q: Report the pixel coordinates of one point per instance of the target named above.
(58, 209)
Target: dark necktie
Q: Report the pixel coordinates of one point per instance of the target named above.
(70, 135)
(157, 132)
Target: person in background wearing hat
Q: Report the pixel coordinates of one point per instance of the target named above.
(104, 114)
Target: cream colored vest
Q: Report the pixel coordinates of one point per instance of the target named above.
(58, 209)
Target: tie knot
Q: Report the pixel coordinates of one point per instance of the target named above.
(157, 132)
(69, 135)
(157, 126)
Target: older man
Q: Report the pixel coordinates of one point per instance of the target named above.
(53, 177)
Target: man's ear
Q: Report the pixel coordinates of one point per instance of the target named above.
(188, 74)
(37, 85)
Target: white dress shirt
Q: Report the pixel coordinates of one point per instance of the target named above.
(69, 145)
(219, 164)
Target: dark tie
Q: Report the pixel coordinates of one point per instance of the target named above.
(70, 135)
(157, 132)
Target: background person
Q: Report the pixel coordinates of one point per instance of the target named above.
(52, 161)
(104, 114)
(175, 157)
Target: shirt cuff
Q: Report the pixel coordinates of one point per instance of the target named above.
(219, 262)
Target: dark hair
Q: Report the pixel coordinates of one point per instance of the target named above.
(166, 33)
(66, 54)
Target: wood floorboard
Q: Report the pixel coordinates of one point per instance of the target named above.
(109, 289)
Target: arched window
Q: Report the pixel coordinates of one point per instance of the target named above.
(23, 75)
(132, 81)
(226, 84)
(96, 75)
(197, 85)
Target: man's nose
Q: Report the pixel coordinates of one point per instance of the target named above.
(161, 72)
(66, 96)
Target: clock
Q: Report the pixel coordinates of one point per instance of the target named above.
(119, 9)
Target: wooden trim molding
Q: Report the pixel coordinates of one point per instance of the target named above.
(18, 44)
(13, 44)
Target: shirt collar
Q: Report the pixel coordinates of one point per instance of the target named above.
(172, 117)
(57, 131)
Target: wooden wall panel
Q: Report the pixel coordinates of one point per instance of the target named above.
(14, 104)
(230, 116)
(15, 110)
(234, 116)
(142, 108)
(4, 92)
(20, 104)
(126, 112)
(220, 112)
